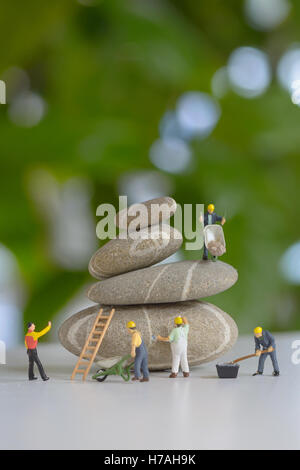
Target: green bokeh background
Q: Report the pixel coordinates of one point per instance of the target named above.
(112, 70)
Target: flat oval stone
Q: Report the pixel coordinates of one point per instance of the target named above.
(146, 213)
(172, 282)
(149, 246)
(212, 332)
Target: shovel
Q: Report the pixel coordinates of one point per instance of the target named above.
(229, 370)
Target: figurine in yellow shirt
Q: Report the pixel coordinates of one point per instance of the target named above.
(139, 352)
(31, 340)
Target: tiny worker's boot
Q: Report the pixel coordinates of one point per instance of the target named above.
(186, 374)
(46, 378)
(33, 378)
(276, 373)
(256, 373)
(173, 376)
(134, 378)
(144, 379)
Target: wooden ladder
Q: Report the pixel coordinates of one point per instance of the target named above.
(95, 337)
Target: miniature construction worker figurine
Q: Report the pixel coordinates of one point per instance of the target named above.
(31, 340)
(139, 352)
(178, 339)
(265, 341)
(210, 218)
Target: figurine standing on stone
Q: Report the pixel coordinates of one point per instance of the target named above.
(178, 339)
(265, 341)
(210, 218)
(31, 341)
(139, 353)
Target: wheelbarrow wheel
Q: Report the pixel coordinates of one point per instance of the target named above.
(102, 377)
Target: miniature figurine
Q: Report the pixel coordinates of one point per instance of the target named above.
(210, 218)
(31, 340)
(264, 341)
(178, 339)
(139, 353)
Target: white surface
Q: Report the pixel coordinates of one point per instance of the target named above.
(202, 412)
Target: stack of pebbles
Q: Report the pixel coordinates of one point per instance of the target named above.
(153, 295)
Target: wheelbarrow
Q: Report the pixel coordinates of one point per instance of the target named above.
(117, 369)
(229, 370)
(214, 240)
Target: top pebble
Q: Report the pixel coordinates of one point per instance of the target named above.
(146, 213)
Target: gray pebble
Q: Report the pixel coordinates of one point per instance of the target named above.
(172, 282)
(149, 246)
(151, 216)
(212, 332)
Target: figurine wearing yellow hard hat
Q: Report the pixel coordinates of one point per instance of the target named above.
(139, 352)
(264, 341)
(178, 339)
(210, 218)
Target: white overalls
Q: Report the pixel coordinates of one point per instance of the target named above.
(179, 351)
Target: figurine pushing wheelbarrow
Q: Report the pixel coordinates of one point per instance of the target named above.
(118, 369)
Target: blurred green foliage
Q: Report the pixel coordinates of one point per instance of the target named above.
(111, 70)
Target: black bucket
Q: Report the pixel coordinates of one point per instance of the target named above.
(227, 370)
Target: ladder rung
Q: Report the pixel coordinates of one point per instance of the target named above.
(87, 355)
(94, 340)
(80, 371)
(97, 333)
(90, 347)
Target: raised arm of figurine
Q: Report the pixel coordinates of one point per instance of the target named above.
(185, 320)
(44, 331)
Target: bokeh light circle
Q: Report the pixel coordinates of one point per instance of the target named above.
(197, 113)
(249, 71)
(27, 109)
(171, 154)
(290, 264)
(265, 15)
(288, 69)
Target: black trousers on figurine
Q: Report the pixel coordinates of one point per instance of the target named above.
(34, 358)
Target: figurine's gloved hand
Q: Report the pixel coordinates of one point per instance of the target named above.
(258, 352)
(223, 221)
(270, 349)
(49, 323)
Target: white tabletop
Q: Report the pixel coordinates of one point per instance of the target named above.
(202, 412)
